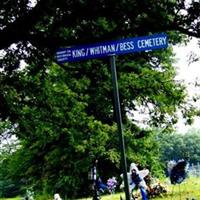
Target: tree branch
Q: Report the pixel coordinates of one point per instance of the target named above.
(21, 27)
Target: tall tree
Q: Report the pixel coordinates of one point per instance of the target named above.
(64, 113)
(178, 146)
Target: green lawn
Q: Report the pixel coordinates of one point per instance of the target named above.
(16, 198)
(189, 189)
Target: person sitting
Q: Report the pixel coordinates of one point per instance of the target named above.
(137, 180)
(101, 186)
(57, 197)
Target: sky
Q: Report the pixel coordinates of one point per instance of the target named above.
(189, 73)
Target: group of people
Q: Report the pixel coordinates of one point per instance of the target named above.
(136, 179)
(140, 179)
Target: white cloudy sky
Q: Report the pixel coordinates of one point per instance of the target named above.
(188, 73)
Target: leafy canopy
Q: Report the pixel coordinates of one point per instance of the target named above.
(63, 114)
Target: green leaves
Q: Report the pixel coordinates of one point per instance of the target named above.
(180, 146)
(64, 113)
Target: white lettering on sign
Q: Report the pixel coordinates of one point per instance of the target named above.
(151, 42)
(125, 46)
(61, 52)
(102, 49)
(78, 53)
(122, 46)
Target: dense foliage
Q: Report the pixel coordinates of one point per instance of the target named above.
(8, 187)
(63, 114)
(180, 146)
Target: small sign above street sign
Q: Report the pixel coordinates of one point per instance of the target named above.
(122, 46)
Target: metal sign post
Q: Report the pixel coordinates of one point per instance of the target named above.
(112, 48)
(119, 124)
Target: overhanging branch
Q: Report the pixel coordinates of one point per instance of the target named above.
(20, 28)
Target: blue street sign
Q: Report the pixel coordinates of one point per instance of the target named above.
(123, 46)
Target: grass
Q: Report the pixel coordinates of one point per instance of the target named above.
(16, 198)
(188, 190)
